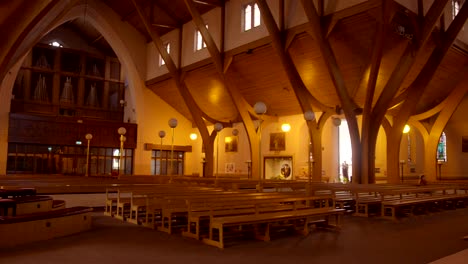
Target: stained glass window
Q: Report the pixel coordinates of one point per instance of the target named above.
(442, 148)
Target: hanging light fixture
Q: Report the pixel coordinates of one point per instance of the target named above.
(309, 115)
(172, 124)
(336, 121)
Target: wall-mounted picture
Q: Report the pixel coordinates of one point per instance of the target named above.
(465, 144)
(230, 144)
(277, 141)
(230, 168)
(278, 168)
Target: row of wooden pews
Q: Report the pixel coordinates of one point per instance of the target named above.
(27, 217)
(396, 201)
(207, 213)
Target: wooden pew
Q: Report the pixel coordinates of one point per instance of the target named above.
(261, 219)
(130, 199)
(200, 209)
(179, 206)
(422, 204)
(167, 206)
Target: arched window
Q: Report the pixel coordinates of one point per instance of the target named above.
(442, 148)
(56, 44)
(456, 4)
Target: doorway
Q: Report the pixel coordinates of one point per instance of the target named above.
(345, 153)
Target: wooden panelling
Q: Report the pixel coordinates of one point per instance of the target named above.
(260, 77)
(209, 92)
(66, 131)
(168, 91)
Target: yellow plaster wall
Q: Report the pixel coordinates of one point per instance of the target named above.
(457, 127)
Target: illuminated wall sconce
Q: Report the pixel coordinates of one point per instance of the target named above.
(193, 136)
(406, 129)
(285, 127)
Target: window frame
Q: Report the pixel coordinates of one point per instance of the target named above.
(199, 36)
(166, 46)
(456, 6)
(254, 10)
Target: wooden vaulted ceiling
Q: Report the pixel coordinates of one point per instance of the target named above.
(260, 76)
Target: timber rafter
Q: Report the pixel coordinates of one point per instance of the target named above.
(348, 104)
(196, 112)
(245, 110)
(304, 97)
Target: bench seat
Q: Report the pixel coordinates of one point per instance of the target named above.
(307, 215)
(390, 209)
(21, 229)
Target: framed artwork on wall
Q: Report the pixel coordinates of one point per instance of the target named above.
(230, 144)
(278, 168)
(230, 167)
(277, 141)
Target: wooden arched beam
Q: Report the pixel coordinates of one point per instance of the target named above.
(19, 35)
(453, 100)
(304, 97)
(347, 102)
(417, 88)
(244, 109)
(183, 90)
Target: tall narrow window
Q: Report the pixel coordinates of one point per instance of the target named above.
(251, 16)
(199, 43)
(456, 4)
(442, 148)
(168, 49)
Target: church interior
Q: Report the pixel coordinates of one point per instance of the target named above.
(187, 130)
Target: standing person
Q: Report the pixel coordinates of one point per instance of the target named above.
(344, 170)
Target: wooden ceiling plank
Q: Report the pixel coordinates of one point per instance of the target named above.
(209, 3)
(294, 77)
(169, 13)
(405, 63)
(419, 85)
(133, 11)
(327, 53)
(335, 17)
(448, 100)
(278, 44)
